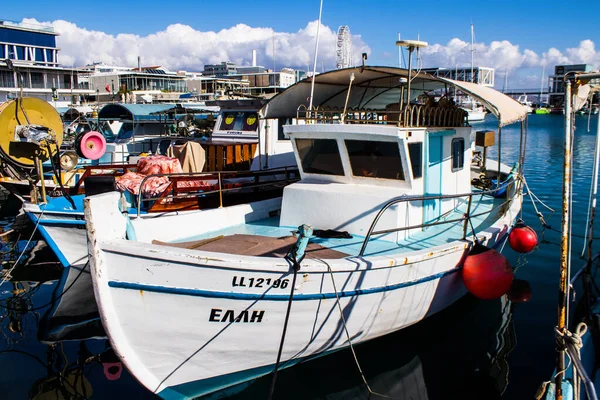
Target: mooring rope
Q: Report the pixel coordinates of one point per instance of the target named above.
(296, 266)
(562, 339)
(534, 198)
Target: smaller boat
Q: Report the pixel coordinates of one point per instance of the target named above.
(475, 112)
(588, 110)
(527, 103)
(542, 109)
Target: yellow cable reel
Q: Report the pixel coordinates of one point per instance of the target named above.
(34, 112)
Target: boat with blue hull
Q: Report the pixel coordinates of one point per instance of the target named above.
(240, 142)
(372, 239)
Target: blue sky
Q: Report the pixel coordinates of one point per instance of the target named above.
(514, 27)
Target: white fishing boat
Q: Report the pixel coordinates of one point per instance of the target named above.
(526, 103)
(200, 302)
(475, 112)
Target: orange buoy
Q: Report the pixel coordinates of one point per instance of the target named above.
(522, 238)
(520, 291)
(486, 273)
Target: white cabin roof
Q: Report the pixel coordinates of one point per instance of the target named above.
(375, 87)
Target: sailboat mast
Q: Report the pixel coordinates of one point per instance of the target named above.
(472, 50)
(312, 83)
(542, 85)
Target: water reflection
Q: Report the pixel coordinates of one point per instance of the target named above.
(460, 351)
(38, 361)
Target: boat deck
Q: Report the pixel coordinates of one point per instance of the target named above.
(239, 239)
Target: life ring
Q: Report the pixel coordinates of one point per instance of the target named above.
(90, 145)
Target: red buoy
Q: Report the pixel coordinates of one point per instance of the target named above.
(522, 238)
(520, 291)
(486, 273)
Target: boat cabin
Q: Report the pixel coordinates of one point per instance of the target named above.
(370, 137)
(350, 171)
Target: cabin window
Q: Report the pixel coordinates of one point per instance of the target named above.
(320, 156)
(280, 124)
(458, 154)
(415, 152)
(375, 159)
(239, 121)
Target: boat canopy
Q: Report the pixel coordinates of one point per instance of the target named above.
(374, 88)
(72, 113)
(133, 112)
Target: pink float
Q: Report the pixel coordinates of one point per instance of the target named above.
(112, 371)
(92, 145)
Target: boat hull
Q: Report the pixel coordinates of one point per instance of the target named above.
(476, 115)
(227, 312)
(228, 334)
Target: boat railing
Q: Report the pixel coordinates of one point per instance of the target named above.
(195, 185)
(509, 186)
(103, 169)
(411, 115)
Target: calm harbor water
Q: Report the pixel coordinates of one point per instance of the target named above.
(473, 350)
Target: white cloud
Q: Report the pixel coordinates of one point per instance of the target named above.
(183, 47)
(586, 53)
(506, 56)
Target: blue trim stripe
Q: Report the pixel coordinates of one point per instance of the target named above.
(273, 297)
(62, 222)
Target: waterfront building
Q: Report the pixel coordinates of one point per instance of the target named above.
(555, 82)
(480, 75)
(29, 63)
(261, 80)
(212, 88)
(220, 70)
(108, 81)
(157, 84)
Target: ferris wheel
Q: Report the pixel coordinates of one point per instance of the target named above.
(344, 48)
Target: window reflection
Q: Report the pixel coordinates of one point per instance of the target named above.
(375, 159)
(239, 121)
(320, 156)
